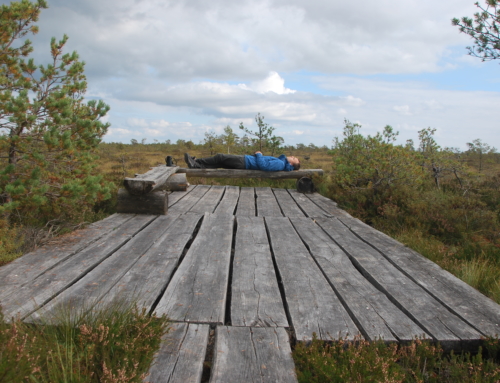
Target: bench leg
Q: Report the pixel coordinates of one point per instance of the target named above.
(155, 203)
(305, 185)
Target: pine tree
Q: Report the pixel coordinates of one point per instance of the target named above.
(48, 134)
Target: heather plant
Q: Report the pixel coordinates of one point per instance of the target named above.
(419, 361)
(113, 344)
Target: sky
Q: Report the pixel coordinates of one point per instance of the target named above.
(178, 69)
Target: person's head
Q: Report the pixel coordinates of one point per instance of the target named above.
(294, 161)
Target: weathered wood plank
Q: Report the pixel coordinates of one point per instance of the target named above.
(145, 281)
(31, 265)
(188, 201)
(176, 182)
(228, 203)
(155, 203)
(287, 204)
(478, 310)
(246, 203)
(181, 355)
(327, 205)
(198, 289)
(244, 354)
(209, 201)
(267, 206)
(374, 313)
(312, 304)
(309, 207)
(47, 285)
(238, 173)
(178, 195)
(150, 181)
(427, 312)
(88, 291)
(255, 295)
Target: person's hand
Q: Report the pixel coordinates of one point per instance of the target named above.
(258, 152)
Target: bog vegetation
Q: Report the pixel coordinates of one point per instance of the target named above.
(57, 175)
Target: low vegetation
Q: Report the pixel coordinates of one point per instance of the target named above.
(112, 345)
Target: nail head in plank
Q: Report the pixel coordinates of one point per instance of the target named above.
(426, 311)
(244, 354)
(374, 312)
(198, 289)
(312, 304)
(181, 354)
(255, 295)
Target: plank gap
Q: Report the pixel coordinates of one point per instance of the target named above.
(181, 258)
(227, 316)
(430, 292)
(279, 279)
(209, 356)
(339, 296)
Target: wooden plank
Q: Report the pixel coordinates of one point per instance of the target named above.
(176, 182)
(188, 201)
(238, 173)
(209, 201)
(198, 289)
(155, 203)
(178, 195)
(327, 205)
(312, 304)
(255, 295)
(309, 207)
(287, 204)
(228, 203)
(150, 181)
(39, 291)
(375, 315)
(246, 203)
(28, 267)
(181, 355)
(267, 206)
(476, 309)
(426, 311)
(147, 279)
(88, 291)
(244, 354)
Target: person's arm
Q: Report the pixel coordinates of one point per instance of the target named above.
(269, 164)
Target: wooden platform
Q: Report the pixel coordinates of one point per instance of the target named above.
(244, 272)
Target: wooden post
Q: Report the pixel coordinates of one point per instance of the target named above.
(305, 185)
(176, 182)
(152, 203)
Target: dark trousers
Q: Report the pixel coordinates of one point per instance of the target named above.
(225, 161)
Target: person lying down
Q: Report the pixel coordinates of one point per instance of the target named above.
(250, 162)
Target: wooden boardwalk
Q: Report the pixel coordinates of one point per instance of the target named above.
(243, 273)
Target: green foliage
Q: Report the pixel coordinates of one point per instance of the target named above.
(364, 361)
(112, 345)
(484, 29)
(48, 135)
(264, 135)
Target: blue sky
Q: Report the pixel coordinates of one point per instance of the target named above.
(177, 69)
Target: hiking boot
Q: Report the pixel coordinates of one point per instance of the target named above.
(191, 163)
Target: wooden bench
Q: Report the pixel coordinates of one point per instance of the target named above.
(147, 193)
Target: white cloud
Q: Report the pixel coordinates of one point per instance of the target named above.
(403, 109)
(272, 83)
(298, 132)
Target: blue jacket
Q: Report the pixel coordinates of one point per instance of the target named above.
(267, 163)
